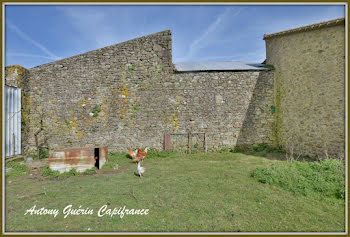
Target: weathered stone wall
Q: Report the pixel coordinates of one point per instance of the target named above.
(129, 95)
(16, 76)
(233, 108)
(103, 97)
(310, 90)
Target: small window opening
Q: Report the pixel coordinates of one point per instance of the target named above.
(97, 158)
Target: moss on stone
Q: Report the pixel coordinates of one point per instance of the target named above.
(278, 110)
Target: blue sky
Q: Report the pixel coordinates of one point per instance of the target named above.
(39, 34)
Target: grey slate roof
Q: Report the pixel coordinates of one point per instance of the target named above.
(218, 66)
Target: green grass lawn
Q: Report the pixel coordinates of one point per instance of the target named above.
(184, 193)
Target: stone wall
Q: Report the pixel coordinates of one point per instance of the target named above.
(130, 95)
(16, 76)
(310, 89)
(103, 97)
(233, 108)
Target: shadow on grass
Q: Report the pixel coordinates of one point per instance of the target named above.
(268, 152)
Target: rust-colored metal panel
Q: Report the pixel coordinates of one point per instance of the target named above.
(80, 159)
(167, 141)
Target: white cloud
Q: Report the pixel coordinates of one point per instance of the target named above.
(92, 25)
(199, 42)
(24, 36)
(289, 21)
(30, 55)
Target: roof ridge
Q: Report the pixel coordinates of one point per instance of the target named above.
(337, 21)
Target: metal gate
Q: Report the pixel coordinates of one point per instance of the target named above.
(190, 142)
(12, 121)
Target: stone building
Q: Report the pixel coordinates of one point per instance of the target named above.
(131, 94)
(309, 87)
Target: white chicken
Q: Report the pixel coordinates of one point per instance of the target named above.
(140, 169)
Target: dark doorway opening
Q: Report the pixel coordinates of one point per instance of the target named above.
(97, 158)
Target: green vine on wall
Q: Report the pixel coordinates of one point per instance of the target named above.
(132, 66)
(278, 109)
(96, 110)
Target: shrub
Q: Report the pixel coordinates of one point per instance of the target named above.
(113, 159)
(239, 149)
(326, 178)
(33, 155)
(273, 109)
(17, 170)
(260, 147)
(96, 110)
(90, 171)
(224, 149)
(71, 173)
(47, 172)
(270, 66)
(132, 66)
(43, 153)
(155, 154)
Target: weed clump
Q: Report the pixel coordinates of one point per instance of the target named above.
(17, 169)
(47, 172)
(226, 149)
(262, 149)
(326, 178)
(113, 160)
(43, 153)
(96, 110)
(89, 171)
(155, 154)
